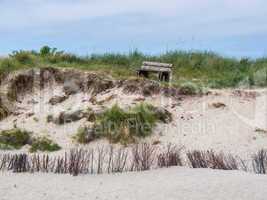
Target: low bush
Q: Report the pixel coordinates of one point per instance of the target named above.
(23, 57)
(44, 144)
(14, 138)
(123, 126)
(6, 147)
(114, 124)
(85, 135)
(190, 88)
(8, 64)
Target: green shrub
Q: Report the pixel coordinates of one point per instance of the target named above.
(6, 147)
(113, 125)
(85, 135)
(189, 88)
(15, 138)
(44, 144)
(23, 57)
(8, 64)
(45, 51)
(143, 120)
(260, 77)
(125, 126)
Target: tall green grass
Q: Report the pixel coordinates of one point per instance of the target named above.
(44, 144)
(17, 138)
(14, 138)
(123, 126)
(205, 68)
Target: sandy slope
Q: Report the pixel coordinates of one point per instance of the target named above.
(169, 184)
(196, 124)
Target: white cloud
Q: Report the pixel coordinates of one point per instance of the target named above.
(31, 12)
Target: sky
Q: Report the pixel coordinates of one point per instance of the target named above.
(234, 28)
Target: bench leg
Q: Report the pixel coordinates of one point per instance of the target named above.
(143, 73)
(160, 76)
(165, 76)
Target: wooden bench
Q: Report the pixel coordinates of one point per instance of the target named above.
(164, 70)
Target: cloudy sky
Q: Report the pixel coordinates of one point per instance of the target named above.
(235, 28)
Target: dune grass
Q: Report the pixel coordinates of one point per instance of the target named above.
(203, 68)
(85, 135)
(14, 139)
(123, 126)
(17, 138)
(44, 144)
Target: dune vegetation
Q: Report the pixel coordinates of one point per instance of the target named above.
(17, 138)
(202, 68)
(124, 126)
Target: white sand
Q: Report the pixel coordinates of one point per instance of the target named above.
(169, 184)
(196, 124)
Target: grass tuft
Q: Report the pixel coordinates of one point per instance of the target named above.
(190, 88)
(84, 135)
(44, 144)
(14, 138)
(123, 126)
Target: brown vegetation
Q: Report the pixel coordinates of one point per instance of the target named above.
(138, 157)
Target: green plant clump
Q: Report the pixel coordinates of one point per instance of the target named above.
(14, 138)
(81, 136)
(189, 88)
(122, 126)
(85, 135)
(44, 144)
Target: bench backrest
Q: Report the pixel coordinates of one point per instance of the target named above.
(157, 64)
